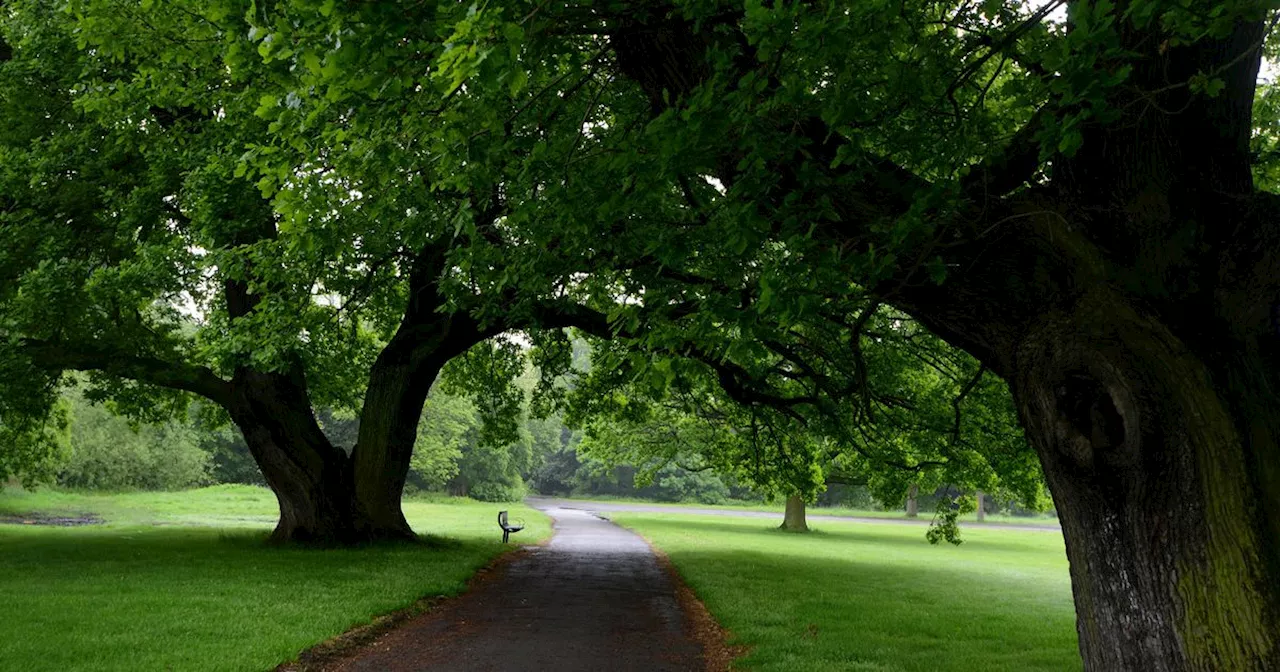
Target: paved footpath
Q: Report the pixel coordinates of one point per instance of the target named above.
(594, 598)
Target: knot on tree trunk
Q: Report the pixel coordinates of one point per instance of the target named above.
(1090, 410)
(1138, 428)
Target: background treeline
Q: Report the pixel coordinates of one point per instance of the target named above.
(106, 452)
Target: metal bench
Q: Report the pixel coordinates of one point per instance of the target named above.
(507, 526)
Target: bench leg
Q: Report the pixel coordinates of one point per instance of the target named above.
(505, 534)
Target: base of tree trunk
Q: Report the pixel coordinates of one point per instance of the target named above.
(338, 530)
(913, 501)
(793, 519)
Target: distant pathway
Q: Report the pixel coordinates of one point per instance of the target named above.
(594, 598)
(603, 507)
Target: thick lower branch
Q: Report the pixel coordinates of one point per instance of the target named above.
(91, 356)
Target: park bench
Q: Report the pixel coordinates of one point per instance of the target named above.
(507, 526)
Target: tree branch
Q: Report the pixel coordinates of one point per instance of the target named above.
(91, 356)
(955, 403)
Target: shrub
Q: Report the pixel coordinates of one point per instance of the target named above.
(673, 484)
(108, 453)
(498, 492)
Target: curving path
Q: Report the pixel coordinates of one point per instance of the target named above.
(594, 598)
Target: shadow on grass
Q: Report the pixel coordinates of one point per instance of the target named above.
(170, 550)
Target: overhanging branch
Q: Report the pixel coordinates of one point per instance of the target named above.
(90, 356)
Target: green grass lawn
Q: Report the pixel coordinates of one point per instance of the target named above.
(183, 581)
(875, 598)
(777, 507)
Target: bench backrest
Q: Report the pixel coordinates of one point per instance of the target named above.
(502, 518)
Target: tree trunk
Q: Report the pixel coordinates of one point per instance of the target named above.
(913, 503)
(399, 383)
(1164, 467)
(982, 507)
(793, 519)
(311, 478)
(388, 431)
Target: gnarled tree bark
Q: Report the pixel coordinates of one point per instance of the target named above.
(311, 478)
(1157, 458)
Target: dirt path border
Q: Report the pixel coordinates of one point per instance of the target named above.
(702, 627)
(332, 652)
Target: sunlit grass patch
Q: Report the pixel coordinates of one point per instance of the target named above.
(876, 597)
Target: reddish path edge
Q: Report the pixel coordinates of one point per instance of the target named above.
(700, 625)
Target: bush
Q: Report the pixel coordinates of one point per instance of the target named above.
(498, 492)
(673, 484)
(848, 496)
(230, 459)
(107, 453)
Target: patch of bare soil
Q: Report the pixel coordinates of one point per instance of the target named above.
(700, 625)
(50, 520)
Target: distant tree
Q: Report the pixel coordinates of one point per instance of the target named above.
(33, 447)
(931, 415)
(449, 423)
(230, 459)
(558, 472)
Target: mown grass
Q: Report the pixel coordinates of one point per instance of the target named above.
(875, 598)
(184, 581)
(1043, 520)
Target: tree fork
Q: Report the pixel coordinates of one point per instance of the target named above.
(399, 382)
(311, 478)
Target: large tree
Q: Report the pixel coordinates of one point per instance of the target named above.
(1064, 191)
(1071, 203)
(173, 225)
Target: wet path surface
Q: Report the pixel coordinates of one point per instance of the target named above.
(594, 598)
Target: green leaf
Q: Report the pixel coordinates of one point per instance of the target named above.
(937, 270)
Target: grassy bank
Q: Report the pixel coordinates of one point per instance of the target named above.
(182, 581)
(875, 598)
